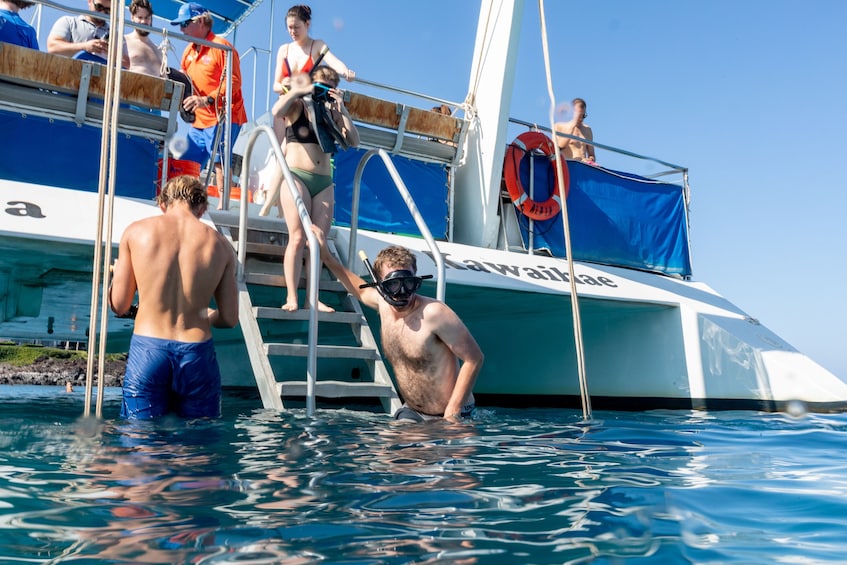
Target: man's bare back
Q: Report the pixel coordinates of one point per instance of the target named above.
(177, 264)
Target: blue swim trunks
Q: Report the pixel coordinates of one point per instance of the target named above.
(408, 413)
(171, 377)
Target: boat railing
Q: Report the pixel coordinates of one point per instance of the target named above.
(171, 109)
(667, 168)
(410, 204)
(252, 54)
(408, 127)
(314, 258)
(58, 87)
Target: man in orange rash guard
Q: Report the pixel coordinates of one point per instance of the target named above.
(206, 67)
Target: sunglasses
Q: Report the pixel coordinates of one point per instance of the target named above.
(98, 7)
(186, 23)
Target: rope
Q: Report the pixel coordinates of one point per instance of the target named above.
(108, 174)
(577, 323)
(164, 47)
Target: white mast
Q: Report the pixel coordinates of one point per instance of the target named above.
(487, 106)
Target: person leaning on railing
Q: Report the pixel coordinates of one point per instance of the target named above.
(574, 148)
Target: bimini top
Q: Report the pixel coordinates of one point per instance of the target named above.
(227, 14)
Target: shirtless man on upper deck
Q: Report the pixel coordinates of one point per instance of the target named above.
(574, 148)
(435, 358)
(144, 55)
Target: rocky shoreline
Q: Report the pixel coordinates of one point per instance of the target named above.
(56, 372)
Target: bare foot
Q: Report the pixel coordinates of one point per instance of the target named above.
(323, 307)
(290, 307)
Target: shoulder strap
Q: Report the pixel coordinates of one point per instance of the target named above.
(285, 60)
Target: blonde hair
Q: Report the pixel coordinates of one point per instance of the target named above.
(186, 188)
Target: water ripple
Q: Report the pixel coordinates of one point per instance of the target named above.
(531, 486)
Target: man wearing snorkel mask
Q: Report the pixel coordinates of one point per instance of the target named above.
(435, 358)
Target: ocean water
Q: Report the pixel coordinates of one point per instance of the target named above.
(513, 486)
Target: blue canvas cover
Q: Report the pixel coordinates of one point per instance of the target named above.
(615, 218)
(381, 207)
(60, 153)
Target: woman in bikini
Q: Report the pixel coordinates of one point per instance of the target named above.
(309, 164)
(303, 54)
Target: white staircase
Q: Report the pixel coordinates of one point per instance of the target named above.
(350, 365)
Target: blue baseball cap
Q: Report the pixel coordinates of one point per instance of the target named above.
(188, 12)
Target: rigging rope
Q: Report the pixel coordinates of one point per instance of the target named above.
(103, 243)
(577, 323)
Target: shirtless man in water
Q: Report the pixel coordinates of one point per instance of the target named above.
(177, 264)
(144, 55)
(435, 358)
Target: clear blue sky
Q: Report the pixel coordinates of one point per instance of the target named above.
(749, 95)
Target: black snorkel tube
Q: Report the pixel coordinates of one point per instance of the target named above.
(376, 284)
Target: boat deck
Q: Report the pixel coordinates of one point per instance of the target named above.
(59, 87)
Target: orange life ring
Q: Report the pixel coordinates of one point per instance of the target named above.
(524, 143)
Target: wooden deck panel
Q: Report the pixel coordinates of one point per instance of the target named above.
(385, 114)
(55, 72)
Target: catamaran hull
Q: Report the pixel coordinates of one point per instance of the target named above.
(650, 341)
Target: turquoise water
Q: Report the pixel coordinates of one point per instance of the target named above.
(514, 486)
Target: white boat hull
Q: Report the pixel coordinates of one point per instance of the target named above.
(650, 340)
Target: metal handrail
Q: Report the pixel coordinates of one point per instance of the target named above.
(314, 257)
(675, 168)
(227, 131)
(410, 204)
(254, 52)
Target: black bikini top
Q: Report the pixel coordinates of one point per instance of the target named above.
(301, 124)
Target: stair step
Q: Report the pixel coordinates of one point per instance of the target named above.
(323, 351)
(273, 249)
(335, 389)
(303, 315)
(267, 279)
(231, 218)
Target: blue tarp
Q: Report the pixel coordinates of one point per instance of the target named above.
(615, 218)
(380, 206)
(59, 153)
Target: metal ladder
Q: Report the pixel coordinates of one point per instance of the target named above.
(258, 323)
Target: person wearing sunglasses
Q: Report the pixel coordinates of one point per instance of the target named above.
(206, 68)
(84, 37)
(435, 358)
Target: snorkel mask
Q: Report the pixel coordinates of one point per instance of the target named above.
(398, 287)
(320, 92)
